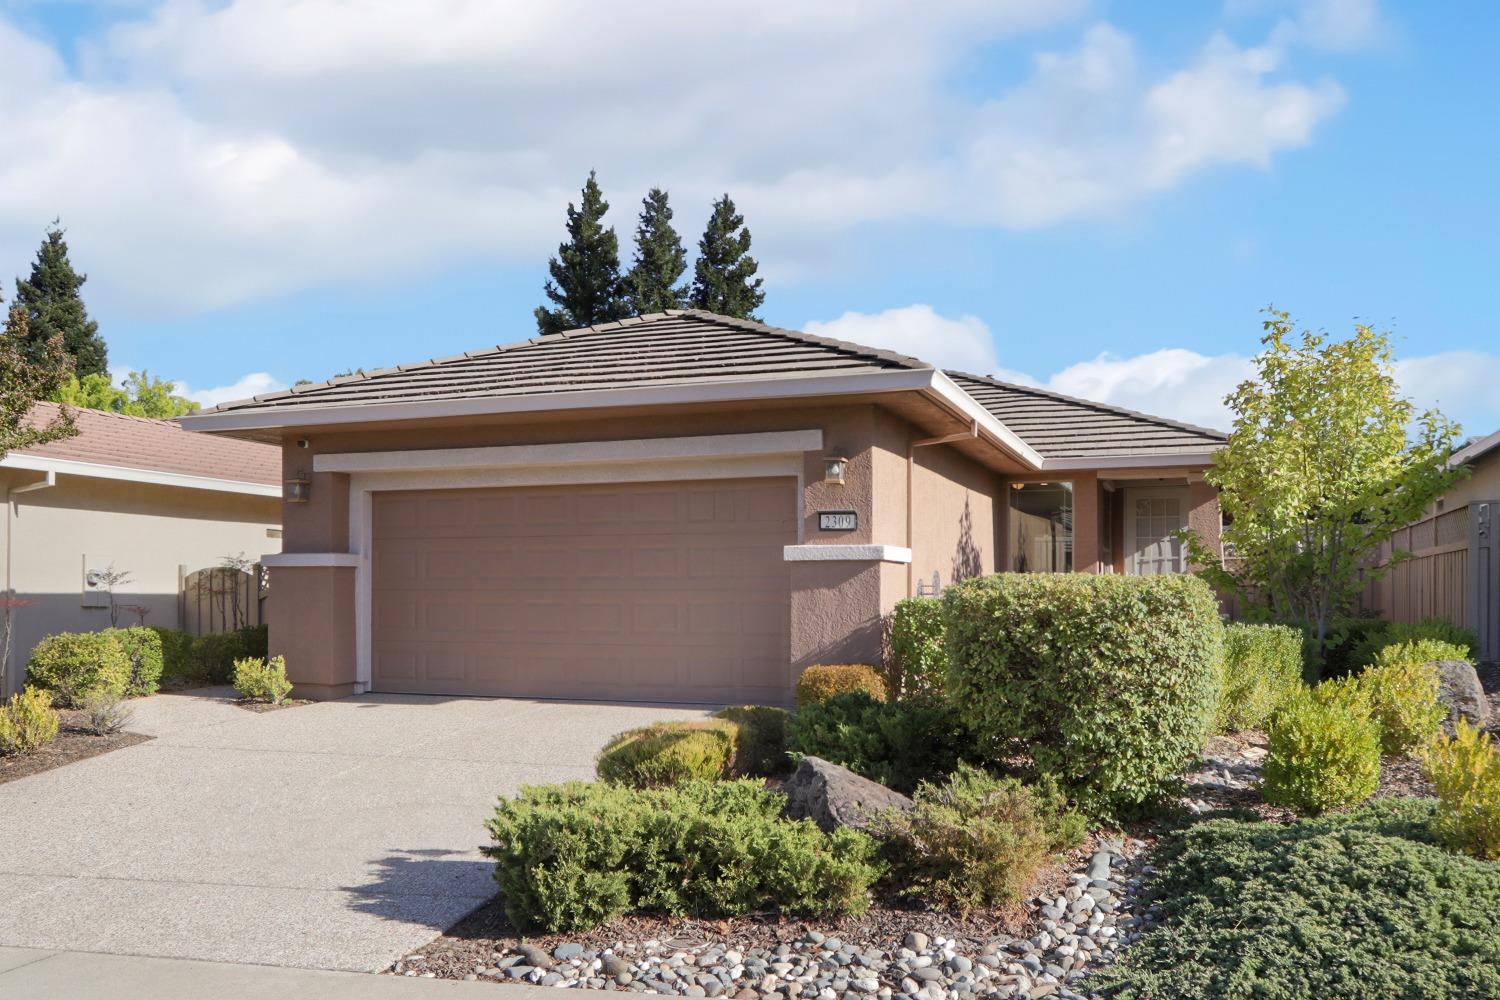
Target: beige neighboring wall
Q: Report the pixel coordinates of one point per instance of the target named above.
(145, 529)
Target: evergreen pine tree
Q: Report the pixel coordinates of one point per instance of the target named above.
(585, 284)
(53, 306)
(659, 259)
(722, 278)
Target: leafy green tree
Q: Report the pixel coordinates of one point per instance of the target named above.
(141, 395)
(53, 306)
(659, 259)
(585, 285)
(1326, 460)
(28, 373)
(724, 279)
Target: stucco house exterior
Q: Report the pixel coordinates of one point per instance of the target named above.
(679, 507)
(142, 496)
(1452, 567)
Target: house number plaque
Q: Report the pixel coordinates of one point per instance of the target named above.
(837, 520)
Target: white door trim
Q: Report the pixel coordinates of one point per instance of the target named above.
(362, 486)
(1134, 493)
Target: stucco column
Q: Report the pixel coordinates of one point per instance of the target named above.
(836, 609)
(311, 616)
(1086, 522)
(1204, 517)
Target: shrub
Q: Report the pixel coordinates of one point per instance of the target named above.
(822, 681)
(1323, 753)
(975, 840)
(262, 680)
(761, 747)
(1261, 667)
(919, 665)
(178, 663)
(73, 664)
(255, 640)
(1347, 636)
(107, 712)
(27, 722)
(1420, 651)
(1109, 682)
(667, 753)
(1367, 650)
(1341, 908)
(215, 655)
(898, 744)
(571, 857)
(144, 648)
(1465, 771)
(1402, 695)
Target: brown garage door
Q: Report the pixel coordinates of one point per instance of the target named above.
(673, 592)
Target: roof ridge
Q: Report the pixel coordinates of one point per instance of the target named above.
(1090, 403)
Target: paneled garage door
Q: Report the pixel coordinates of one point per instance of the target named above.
(673, 592)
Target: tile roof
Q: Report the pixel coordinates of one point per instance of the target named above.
(1475, 448)
(679, 347)
(116, 440)
(1059, 426)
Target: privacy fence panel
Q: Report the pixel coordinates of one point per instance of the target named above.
(220, 598)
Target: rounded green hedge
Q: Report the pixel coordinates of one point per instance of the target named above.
(897, 743)
(73, 665)
(1261, 668)
(667, 753)
(1108, 682)
(918, 660)
(1324, 750)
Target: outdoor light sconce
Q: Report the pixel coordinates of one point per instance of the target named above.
(833, 469)
(298, 490)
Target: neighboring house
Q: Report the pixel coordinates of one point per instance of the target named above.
(1453, 567)
(140, 496)
(680, 508)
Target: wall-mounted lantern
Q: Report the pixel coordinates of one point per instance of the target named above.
(298, 490)
(834, 467)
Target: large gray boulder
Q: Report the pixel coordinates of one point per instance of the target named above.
(833, 796)
(1460, 691)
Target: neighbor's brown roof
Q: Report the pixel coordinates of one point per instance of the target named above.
(1059, 426)
(678, 347)
(113, 439)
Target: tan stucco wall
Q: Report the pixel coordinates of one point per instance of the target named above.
(144, 529)
(1482, 483)
(311, 616)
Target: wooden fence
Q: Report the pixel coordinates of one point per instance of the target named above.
(220, 598)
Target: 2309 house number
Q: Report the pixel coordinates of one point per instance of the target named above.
(837, 520)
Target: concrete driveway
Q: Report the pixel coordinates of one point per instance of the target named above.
(329, 836)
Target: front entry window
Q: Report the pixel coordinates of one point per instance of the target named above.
(1153, 519)
(1041, 527)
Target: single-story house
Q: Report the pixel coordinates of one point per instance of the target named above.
(129, 496)
(1452, 569)
(680, 507)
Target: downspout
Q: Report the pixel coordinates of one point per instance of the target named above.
(49, 480)
(911, 451)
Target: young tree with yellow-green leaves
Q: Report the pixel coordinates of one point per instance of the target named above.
(1325, 461)
(140, 395)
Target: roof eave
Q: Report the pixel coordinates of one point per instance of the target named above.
(1139, 461)
(154, 477)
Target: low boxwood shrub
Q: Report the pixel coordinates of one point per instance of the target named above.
(1261, 667)
(1323, 752)
(574, 856)
(760, 749)
(1108, 682)
(822, 681)
(1367, 650)
(668, 753)
(1401, 690)
(1465, 772)
(216, 653)
(1340, 908)
(919, 666)
(975, 840)
(73, 664)
(178, 665)
(262, 680)
(898, 743)
(147, 658)
(27, 721)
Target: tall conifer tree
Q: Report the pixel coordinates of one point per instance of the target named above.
(585, 285)
(54, 307)
(659, 259)
(724, 277)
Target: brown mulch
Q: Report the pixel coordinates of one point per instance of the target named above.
(75, 741)
(476, 938)
(261, 707)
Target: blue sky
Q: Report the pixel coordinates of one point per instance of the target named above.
(1098, 196)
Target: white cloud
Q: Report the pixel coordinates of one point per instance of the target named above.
(249, 385)
(1459, 383)
(212, 153)
(917, 330)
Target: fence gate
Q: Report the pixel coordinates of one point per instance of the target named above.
(220, 598)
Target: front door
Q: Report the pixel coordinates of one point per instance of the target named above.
(1153, 516)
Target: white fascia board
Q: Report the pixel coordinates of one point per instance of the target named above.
(70, 467)
(310, 559)
(1165, 461)
(846, 553)
(1008, 440)
(575, 453)
(785, 387)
